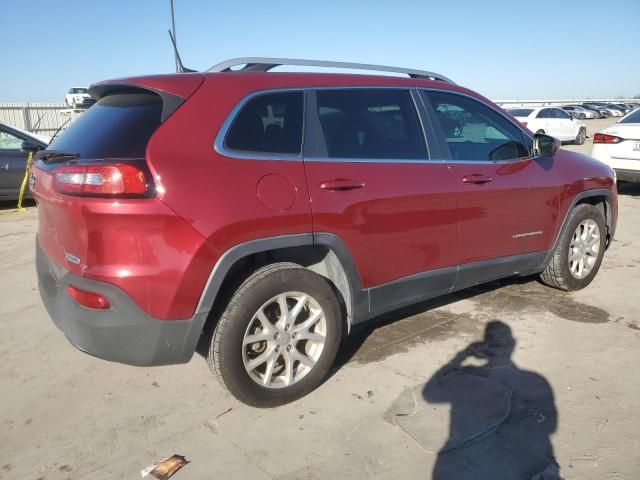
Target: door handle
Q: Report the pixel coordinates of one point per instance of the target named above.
(341, 185)
(476, 179)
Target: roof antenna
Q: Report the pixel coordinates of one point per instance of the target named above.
(180, 68)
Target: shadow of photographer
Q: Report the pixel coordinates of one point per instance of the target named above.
(501, 417)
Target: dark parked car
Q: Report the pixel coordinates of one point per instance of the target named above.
(624, 108)
(602, 113)
(263, 215)
(13, 158)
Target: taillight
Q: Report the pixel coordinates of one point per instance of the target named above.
(605, 138)
(118, 179)
(88, 299)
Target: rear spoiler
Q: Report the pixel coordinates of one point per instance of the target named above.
(172, 89)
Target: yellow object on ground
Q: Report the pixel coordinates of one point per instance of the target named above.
(25, 180)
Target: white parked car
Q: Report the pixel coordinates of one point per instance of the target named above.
(552, 121)
(78, 97)
(619, 147)
(579, 112)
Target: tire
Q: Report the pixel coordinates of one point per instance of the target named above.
(582, 135)
(558, 273)
(582, 116)
(284, 377)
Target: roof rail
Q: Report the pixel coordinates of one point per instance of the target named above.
(262, 64)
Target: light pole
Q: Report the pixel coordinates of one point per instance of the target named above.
(173, 28)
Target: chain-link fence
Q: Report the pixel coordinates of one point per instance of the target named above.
(42, 118)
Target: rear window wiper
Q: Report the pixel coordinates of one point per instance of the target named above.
(55, 156)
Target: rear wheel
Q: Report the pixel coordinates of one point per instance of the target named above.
(582, 135)
(278, 336)
(579, 251)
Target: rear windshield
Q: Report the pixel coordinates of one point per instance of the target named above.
(520, 112)
(117, 126)
(631, 118)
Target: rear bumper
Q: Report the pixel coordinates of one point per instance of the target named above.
(627, 175)
(124, 333)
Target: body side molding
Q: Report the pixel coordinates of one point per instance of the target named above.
(426, 285)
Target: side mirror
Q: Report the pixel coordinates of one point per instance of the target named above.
(31, 146)
(545, 145)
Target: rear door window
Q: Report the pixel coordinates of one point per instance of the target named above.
(370, 124)
(475, 132)
(268, 123)
(117, 126)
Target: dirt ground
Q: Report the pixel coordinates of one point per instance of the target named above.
(66, 415)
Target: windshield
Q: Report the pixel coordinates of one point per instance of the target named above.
(632, 118)
(520, 112)
(117, 126)
(79, 90)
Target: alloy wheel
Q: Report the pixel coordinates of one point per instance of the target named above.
(284, 340)
(584, 248)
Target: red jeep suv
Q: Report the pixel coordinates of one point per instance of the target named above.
(265, 214)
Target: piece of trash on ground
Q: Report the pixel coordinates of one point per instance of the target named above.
(226, 411)
(166, 468)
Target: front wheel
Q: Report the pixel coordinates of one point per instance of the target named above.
(582, 135)
(278, 336)
(579, 250)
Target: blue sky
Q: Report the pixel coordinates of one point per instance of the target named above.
(502, 49)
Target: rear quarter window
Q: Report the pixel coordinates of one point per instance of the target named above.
(520, 112)
(117, 126)
(632, 118)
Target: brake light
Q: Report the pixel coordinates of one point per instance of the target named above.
(88, 299)
(117, 179)
(605, 138)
